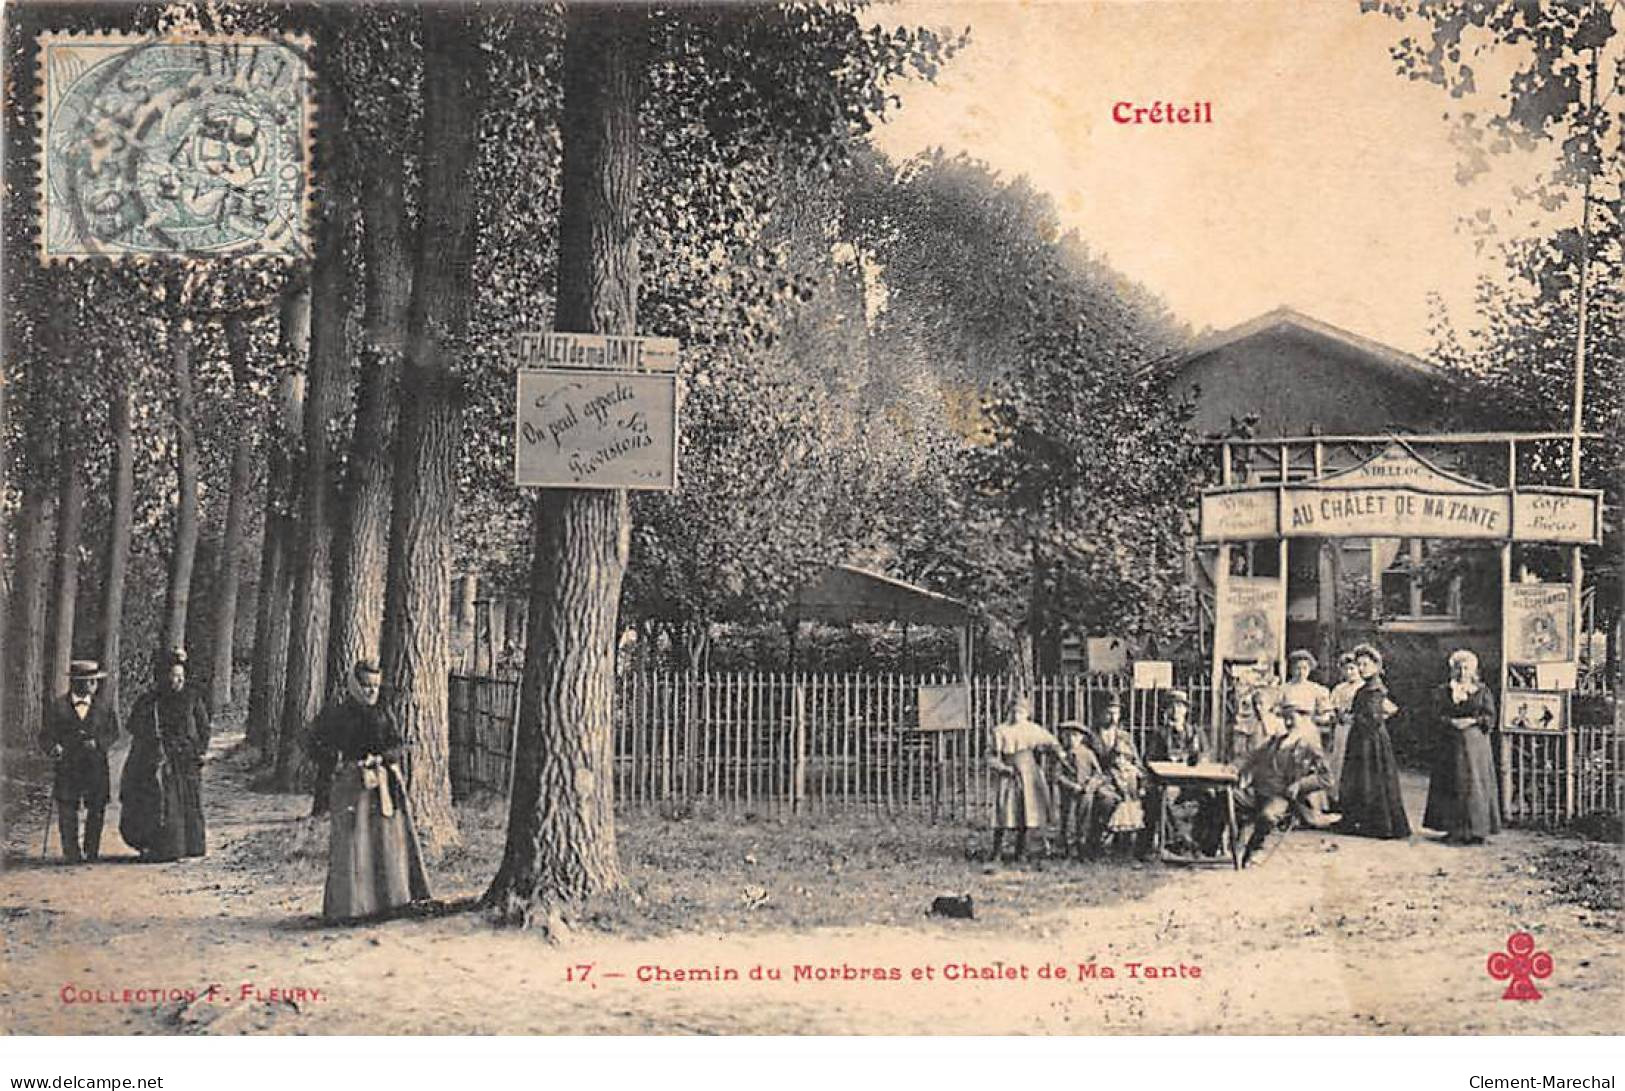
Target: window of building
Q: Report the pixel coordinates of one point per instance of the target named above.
(1415, 589)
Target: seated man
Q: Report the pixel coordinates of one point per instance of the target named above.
(1178, 741)
(1086, 796)
(1286, 772)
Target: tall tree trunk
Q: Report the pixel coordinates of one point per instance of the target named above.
(27, 643)
(362, 553)
(417, 652)
(224, 628)
(25, 662)
(116, 561)
(179, 596)
(268, 680)
(310, 562)
(70, 506)
(5, 531)
(561, 822)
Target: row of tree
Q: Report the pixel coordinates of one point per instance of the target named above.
(877, 360)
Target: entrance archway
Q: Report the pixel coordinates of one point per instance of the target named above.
(1329, 489)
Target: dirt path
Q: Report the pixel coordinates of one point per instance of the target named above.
(1330, 935)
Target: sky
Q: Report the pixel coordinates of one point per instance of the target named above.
(1326, 181)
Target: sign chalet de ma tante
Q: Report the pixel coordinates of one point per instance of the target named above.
(1399, 494)
(596, 411)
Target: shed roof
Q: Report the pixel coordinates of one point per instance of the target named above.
(845, 594)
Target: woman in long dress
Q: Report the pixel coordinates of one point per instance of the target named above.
(1021, 797)
(1462, 798)
(1369, 794)
(161, 789)
(374, 863)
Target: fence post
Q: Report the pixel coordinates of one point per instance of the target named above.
(798, 746)
(513, 735)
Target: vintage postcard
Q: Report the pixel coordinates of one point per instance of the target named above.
(923, 518)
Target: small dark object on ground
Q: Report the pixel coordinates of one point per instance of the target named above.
(947, 905)
(1600, 826)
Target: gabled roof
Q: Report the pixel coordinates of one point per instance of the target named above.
(1285, 318)
(845, 594)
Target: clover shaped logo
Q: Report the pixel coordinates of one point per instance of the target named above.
(1519, 965)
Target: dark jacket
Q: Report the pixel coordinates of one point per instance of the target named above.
(1165, 745)
(81, 766)
(349, 731)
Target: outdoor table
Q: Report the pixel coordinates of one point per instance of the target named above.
(1205, 775)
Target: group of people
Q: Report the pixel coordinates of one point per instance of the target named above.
(160, 791)
(374, 862)
(1322, 757)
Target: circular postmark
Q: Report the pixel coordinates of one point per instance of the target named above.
(166, 147)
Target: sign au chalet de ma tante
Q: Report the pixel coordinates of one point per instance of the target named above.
(1398, 494)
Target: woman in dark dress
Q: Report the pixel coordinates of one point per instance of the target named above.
(1462, 798)
(374, 863)
(161, 790)
(1370, 799)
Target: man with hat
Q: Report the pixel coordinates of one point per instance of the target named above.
(1288, 772)
(77, 734)
(1177, 741)
(162, 788)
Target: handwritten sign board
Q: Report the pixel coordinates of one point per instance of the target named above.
(944, 708)
(1539, 623)
(1239, 516)
(596, 351)
(596, 430)
(1570, 516)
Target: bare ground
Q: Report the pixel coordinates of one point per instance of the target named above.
(1328, 935)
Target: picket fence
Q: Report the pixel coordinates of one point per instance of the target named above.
(1549, 779)
(778, 743)
(794, 743)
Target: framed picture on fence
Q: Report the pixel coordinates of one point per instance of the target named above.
(1543, 711)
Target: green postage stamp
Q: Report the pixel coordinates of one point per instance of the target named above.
(191, 147)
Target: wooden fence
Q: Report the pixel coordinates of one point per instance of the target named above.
(1548, 779)
(817, 743)
(803, 743)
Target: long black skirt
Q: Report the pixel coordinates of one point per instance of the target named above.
(160, 810)
(1463, 799)
(1369, 793)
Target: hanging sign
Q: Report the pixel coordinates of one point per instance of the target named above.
(1539, 622)
(1239, 516)
(596, 411)
(1569, 515)
(1251, 617)
(596, 430)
